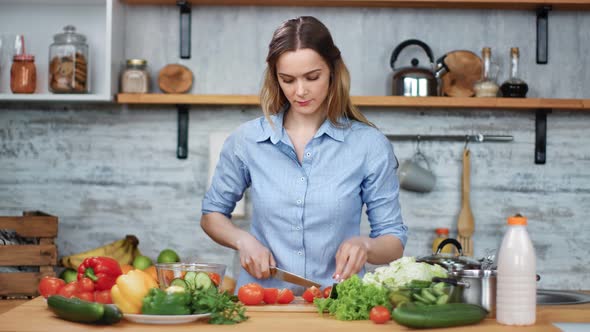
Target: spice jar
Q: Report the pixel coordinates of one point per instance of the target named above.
(68, 63)
(23, 74)
(135, 78)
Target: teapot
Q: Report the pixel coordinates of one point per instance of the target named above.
(416, 81)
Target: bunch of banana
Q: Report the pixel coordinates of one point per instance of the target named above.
(124, 251)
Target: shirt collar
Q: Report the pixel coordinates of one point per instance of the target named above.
(277, 132)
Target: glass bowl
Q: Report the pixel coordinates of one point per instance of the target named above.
(190, 275)
(435, 293)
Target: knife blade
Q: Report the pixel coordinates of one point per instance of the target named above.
(281, 274)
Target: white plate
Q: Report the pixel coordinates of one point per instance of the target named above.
(163, 319)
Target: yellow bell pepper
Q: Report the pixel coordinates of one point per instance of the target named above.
(130, 289)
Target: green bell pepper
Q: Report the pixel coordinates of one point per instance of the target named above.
(159, 302)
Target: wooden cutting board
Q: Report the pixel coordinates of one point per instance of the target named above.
(465, 68)
(298, 305)
(175, 78)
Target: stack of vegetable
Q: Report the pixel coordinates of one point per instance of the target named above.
(406, 286)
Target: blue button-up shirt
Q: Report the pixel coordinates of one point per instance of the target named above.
(303, 211)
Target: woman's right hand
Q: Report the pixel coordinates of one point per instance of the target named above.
(254, 257)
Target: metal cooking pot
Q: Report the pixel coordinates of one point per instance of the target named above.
(451, 262)
(474, 287)
(415, 81)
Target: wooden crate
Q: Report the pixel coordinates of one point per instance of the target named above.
(33, 224)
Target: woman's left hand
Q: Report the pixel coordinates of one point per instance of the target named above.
(351, 257)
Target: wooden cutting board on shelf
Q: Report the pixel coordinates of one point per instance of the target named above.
(175, 78)
(298, 305)
(465, 68)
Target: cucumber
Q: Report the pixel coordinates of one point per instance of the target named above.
(443, 315)
(428, 295)
(112, 315)
(75, 310)
(190, 279)
(439, 288)
(179, 282)
(419, 283)
(202, 281)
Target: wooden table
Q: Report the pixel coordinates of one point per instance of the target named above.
(34, 316)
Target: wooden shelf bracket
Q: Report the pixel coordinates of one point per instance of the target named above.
(185, 29)
(182, 147)
(543, 34)
(541, 136)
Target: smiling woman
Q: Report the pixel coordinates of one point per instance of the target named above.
(311, 163)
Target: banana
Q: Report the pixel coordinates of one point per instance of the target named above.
(123, 250)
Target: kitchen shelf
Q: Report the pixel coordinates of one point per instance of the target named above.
(101, 21)
(368, 101)
(458, 4)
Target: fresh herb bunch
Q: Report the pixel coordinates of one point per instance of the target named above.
(224, 307)
(355, 300)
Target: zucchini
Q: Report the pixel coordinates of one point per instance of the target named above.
(190, 279)
(443, 315)
(75, 310)
(112, 315)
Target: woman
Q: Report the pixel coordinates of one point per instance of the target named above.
(311, 162)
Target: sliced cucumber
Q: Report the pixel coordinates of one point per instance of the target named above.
(202, 281)
(179, 282)
(190, 279)
(442, 299)
(439, 288)
(428, 295)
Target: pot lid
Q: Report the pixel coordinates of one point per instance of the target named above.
(451, 262)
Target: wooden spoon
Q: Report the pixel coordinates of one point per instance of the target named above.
(466, 223)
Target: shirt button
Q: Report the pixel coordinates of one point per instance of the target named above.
(308, 154)
(298, 201)
(297, 228)
(302, 178)
(299, 253)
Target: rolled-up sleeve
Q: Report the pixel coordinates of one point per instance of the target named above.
(230, 180)
(380, 191)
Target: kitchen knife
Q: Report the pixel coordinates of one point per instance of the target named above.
(281, 274)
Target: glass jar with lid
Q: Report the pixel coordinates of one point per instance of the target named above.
(23, 74)
(68, 63)
(135, 78)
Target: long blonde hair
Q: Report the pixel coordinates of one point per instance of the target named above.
(309, 32)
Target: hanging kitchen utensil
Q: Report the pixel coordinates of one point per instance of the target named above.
(466, 224)
(464, 69)
(414, 81)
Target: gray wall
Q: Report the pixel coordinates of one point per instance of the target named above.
(111, 170)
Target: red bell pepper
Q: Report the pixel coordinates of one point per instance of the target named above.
(103, 271)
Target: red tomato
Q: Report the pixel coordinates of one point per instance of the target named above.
(86, 296)
(312, 293)
(327, 291)
(271, 295)
(69, 289)
(379, 314)
(50, 286)
(216, 278)
(86, 285)
(251, 294)
(285, 296)
(103, 296)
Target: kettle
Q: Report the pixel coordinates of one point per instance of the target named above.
(416, 81)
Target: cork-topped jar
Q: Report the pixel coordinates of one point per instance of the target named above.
(68, 63)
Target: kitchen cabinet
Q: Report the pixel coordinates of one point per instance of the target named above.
(39, 20)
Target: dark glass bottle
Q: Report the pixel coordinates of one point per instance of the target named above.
(514, 87)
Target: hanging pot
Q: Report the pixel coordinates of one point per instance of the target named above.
(451, 262)
(415, 80)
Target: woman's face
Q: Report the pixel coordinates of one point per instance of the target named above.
(304, 78)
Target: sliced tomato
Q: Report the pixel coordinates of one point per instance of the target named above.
(379, 314)
(312, 293)
(251, 294)
(271, 295)
(216, 278)
(50, 286)
(285, 296)
(327, 292)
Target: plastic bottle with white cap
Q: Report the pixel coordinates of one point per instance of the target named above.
(516, 296)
